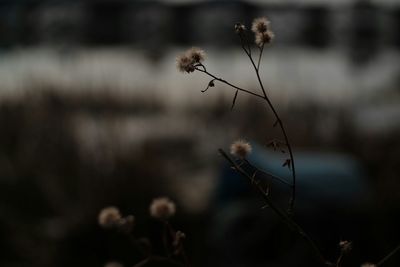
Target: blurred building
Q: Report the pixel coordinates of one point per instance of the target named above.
(315, 23)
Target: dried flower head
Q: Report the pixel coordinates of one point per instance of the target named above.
(260, 25)
(196, 54)
(241, 149)
(109, 217)
(239, 28)
(345, 246)
(113, 264)
(264, 38)
(186, 62)
(368, 264)
(162, 208)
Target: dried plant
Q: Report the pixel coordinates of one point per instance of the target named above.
(161, 209)
(193, 60)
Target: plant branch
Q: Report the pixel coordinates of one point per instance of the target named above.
(281, 214)
(259, 57)
(228, 83)
(268, 174)
(278, 119)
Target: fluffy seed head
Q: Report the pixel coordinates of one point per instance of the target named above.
(109, 217)
(345, 246)
(368, 264)
(241, 149)
(162, 208)
(113, 264)
(260, 25)
(184, 63)
(264, 38)
(196, 54)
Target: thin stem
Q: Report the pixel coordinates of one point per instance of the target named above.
(165, 239)
(339, 260)
(394, 251)
(228, 83)
(281, 214)
(172, 233)
(278, 119)
(259, 57)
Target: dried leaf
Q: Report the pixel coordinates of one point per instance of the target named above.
(234, 99)
(210, 84)
(287, 163)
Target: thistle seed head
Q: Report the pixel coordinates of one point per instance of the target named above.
(162, 208)
(196, 54)
(264, 38)
(186, 61)
(260, 25)
(240, 149)
(109, 217)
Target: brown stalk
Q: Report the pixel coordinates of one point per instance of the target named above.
(244, 41)
(281, 214)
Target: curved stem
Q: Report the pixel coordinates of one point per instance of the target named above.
(278, 119)
(281, 214)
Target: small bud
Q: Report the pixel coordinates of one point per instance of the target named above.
(345, 246)
(211, 83)
(239, 28)
(126, 224)
(179, 237)
(162, 208)
(241, 149)
(109, 217)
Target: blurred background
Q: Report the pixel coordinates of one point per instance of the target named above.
(94, 113)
